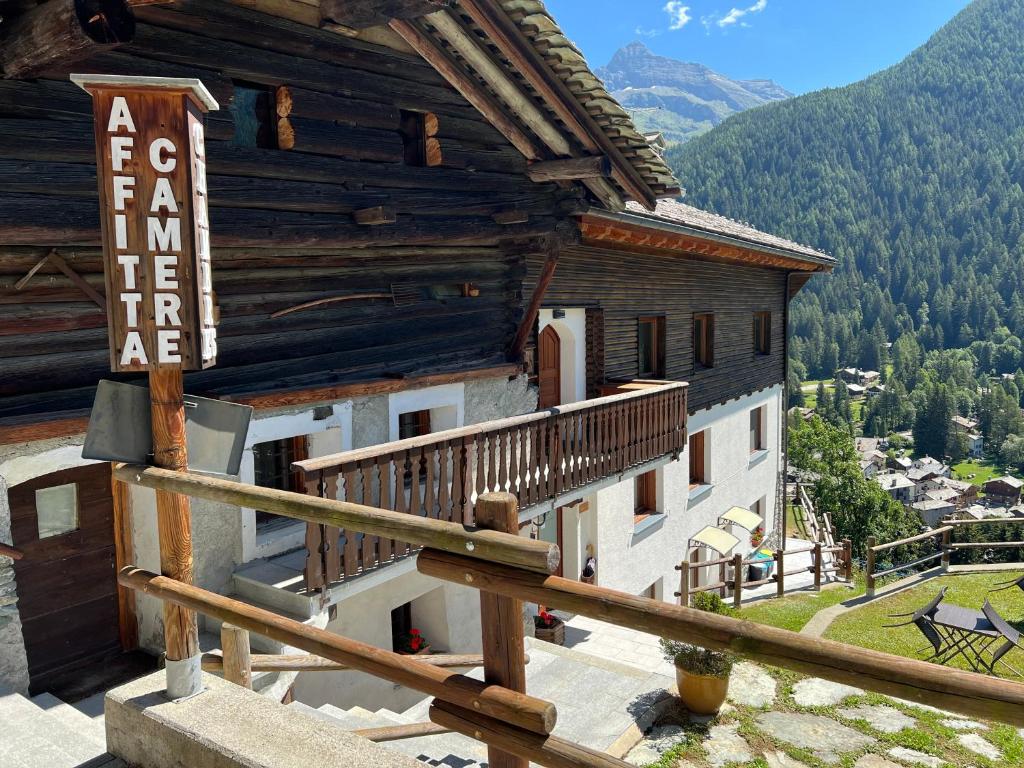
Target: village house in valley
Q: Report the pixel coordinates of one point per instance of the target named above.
(444, 263)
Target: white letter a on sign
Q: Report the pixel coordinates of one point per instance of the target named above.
(120, 116)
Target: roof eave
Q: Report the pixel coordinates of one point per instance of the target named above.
(822, 263)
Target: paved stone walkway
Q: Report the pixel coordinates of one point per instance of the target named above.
(842, 727)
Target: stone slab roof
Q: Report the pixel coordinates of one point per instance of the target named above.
(676, 212)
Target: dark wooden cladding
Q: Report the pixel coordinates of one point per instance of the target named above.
(284, 222)
(629, 286)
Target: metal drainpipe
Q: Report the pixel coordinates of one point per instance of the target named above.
(784, 453)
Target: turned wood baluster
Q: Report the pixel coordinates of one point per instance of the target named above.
(443, 482)
(350, 555)
(387, 546)
(428, 455)
(368, 553)
(399, 461)
(466, 459)
(492, 458)
(503, 459)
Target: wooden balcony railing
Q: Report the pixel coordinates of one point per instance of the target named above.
(538, 458)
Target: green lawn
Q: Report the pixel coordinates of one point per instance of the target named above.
(794, 525)
(794, 611)
(982, 469)
(863, 626)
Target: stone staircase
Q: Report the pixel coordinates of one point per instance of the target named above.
(449, 750)
(45, 732)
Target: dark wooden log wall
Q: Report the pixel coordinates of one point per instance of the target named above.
(283, 226)
(628, 286)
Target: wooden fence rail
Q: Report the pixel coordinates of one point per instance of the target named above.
(818, 566)
(539, 458)
(966, 692)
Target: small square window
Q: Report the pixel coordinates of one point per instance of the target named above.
(645, 500)
(57, 510)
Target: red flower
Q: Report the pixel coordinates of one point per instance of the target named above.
(416, 643)
(414, 632)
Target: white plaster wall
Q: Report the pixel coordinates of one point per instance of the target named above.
(366, 617)
(572, 333)
(447, 406)
(633, 562)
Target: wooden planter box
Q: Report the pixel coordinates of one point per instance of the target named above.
(553, 634)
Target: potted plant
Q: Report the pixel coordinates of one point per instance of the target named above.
(757, 537)
(549, 627)
(702, 675)
(414, 644)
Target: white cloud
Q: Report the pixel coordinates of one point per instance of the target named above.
(679, 14)
(738, 13)
(641, 32)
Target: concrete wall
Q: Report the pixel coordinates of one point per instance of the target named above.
(633, 559)
(448, 615)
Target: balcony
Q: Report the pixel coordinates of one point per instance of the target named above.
(546, 458)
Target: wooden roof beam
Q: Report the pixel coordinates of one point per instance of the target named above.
(506, 35)
(360, 14)
(592, 167)
(470, 89)
(490, 107)
(54, 35)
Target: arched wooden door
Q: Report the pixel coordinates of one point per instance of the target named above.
(549, 374)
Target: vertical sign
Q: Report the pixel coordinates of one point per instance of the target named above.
(151, 168)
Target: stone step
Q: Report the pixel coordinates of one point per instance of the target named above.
(35, 739)
(277, 586)
(90, 729)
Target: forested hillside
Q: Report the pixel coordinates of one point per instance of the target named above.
(912, 178)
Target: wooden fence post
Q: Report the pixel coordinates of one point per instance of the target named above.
(737, 580)
(684, 583)
(817, 565)
(502, 620)
(869, 568)
(721, 579)
(234, 643)
(174, 526)
(780, 572)
(947, 541)
(848, 559)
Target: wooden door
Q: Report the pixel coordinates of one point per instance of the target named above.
(549, 371)
(67, 588)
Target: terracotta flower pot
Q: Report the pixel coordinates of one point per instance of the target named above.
(701, 694)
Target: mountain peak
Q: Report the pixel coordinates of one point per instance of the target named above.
(681, 99)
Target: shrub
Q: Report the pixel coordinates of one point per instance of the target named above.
(693, 658)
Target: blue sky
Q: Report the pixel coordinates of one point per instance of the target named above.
(803, 45)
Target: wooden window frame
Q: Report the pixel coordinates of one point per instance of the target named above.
(296, 482)
(757, 429)
(704, 343)
(423, 427)
(657, 369)
(697, 445)
(645, 496)
(762, 337)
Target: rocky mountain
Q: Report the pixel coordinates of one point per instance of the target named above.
(678, 98)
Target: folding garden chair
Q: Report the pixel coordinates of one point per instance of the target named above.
(1008, 633)
(1001, 585)
(921, 618)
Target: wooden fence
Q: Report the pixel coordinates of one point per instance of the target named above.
(539, 458)
(932, 545)
(733, 571)
(517, 727)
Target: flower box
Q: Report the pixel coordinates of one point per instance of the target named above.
(550, 630)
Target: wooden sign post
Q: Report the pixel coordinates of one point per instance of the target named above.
(151, 168)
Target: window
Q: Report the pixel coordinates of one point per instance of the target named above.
(698, 470)
(645, 499)
(57, 510)
(253, 110)
(272, 462)
(757, 430)
(414, 424)
(762, 333)
(418, 130)
(704, 340)
(650, 346)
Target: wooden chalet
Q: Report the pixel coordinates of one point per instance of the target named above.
(397, 191)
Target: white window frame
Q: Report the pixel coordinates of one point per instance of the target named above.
(303, 423)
